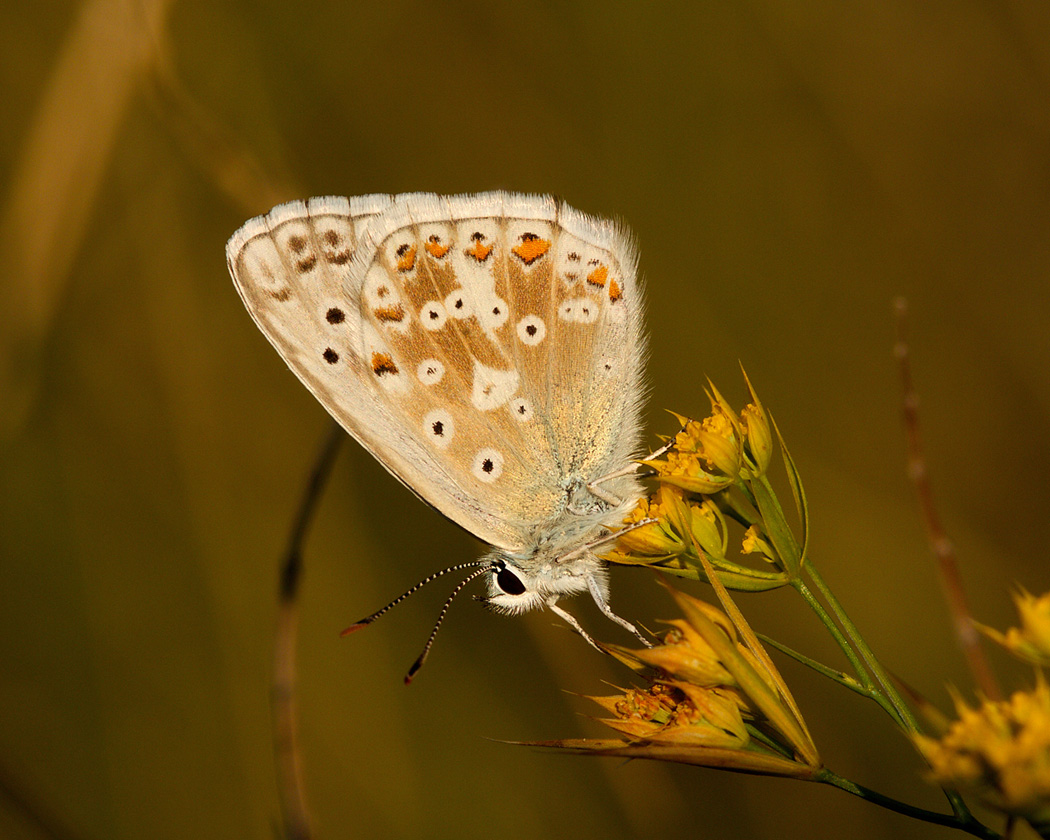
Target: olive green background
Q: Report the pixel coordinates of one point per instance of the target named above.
(788, 168)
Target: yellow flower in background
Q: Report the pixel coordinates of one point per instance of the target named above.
(1035, 623)
(1030, 641)
(1000, 753)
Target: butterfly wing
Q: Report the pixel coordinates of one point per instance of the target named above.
(486, 349)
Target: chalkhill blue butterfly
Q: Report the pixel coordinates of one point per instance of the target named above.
(487, 349)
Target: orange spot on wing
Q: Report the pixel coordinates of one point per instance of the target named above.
(435, 248)
(598, 276)
(383, 363)
(531, 248)
(615, 293)
(406, 257)
(389, 313)
(478, 251)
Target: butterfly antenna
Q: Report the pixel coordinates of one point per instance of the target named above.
(364, 622)
(441, 617)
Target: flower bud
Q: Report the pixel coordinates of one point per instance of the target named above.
(708, 527)
(759, 440)
(719, 444)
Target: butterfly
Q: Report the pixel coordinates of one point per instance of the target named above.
(487, 349)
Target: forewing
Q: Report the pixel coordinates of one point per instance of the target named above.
(486, 349)
(504, 334)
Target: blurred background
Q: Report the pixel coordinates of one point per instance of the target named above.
(789, 168)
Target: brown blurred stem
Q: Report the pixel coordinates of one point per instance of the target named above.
(29, 811)
(214, 149)
(940, 544)
(290, 789)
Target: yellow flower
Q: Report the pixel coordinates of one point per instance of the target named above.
(710, 702)
(999, 752)
(706, 454)
(719, 443)
(672, 713)
(684, 655)
(684, 470)
(754, 543)
(1035, 621)
(1030, 641)
(664, 538)
(656, 539)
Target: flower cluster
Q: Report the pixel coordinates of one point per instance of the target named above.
(711, 700)
(1000, 753)
(713, 473)
(711, 454)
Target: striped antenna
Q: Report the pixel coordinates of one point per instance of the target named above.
(441, 617)
(364, 622)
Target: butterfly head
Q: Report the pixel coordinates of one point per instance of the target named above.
(518, 585)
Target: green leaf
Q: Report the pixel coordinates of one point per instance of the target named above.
(775, 526)
(797, 490)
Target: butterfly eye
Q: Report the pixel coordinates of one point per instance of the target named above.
(510, 582)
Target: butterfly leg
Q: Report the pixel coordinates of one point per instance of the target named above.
(612, 536)
(570, 619)
(633, 467)
(599, 598)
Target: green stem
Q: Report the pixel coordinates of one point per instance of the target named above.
(904, 714)
(963, 822)
(841, 677)
(900, 711)
(858, 666)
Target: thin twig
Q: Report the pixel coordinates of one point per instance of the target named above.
(968, 824)
(940, 544)
(290, 788)
(218, 152)
(25, 809)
